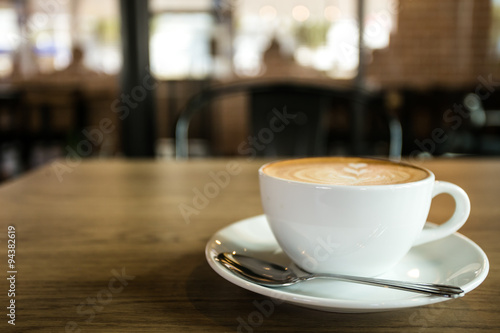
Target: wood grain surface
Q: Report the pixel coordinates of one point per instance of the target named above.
(104, 247)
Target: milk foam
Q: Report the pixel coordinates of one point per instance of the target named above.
(345, 171)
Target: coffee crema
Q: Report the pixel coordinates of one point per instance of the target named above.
(345, 171)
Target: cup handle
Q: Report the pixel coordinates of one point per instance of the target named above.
(462, 210)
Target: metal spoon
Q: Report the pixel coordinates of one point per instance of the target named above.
(273, 275)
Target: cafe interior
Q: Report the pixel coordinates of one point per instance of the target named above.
(136, 148)
(173, 79)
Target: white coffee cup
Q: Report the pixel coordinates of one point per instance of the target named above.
(356, 229)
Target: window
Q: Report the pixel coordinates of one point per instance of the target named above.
(8, 44)
(42, 35)
(180, 45)
(319, 34)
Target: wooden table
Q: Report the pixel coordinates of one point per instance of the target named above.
(104, 247)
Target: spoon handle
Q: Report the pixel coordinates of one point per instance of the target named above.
(418, 287)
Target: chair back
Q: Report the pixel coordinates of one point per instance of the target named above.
(286, 118)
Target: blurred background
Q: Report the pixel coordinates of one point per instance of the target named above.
(105, 78)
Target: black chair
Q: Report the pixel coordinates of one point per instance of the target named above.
(475, 128)
(286, 118)
(31, 113)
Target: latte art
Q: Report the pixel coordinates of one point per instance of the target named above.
(345, 171)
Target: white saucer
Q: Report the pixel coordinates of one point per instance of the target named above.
(454, 260)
